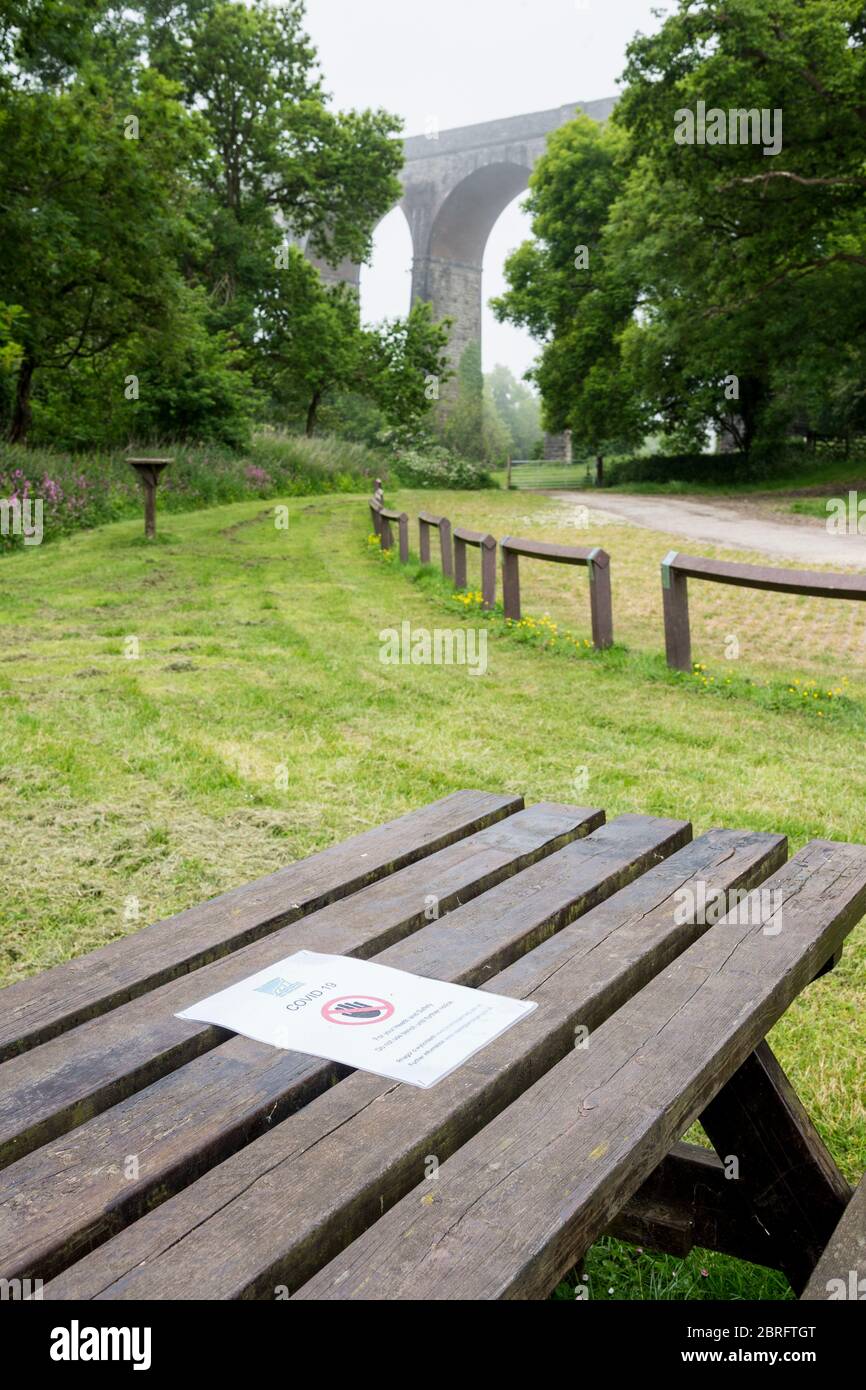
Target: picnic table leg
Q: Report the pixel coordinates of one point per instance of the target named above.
(786, 1175)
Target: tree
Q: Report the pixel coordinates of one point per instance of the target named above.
(154, 162)
(469, 424)
(403, 363)
(752, 266)
(280, 162)
(312, 345)
(10, 349)
(308, 338)
(93, 222)
(572, 296)
(518, 408)
(720, 282)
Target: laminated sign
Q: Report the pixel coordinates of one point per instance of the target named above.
(367, 1016)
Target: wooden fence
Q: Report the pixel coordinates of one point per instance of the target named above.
(443, 526)
(386, 535)
(595, 559)
(678, 569)
(487, 545)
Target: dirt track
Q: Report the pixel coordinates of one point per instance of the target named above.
(745, 524)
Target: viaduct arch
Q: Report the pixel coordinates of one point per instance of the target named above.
(455, 185)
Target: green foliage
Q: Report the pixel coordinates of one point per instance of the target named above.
(469, 424)
(439, 468)
(93, 222)
(189, 383)
(311, 344)
(725, 284)
(80, 490)
(310, 338)
(10, 350)
(518, 408)
(401, 361)
(570, 293)
(157, 162)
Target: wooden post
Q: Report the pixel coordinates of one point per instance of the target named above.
(675, 603)
(424, 540)
(148, 471)
(149, 507)
(600, 604)
(386, 534)
(510, 582)
(446, 547)
(508, 475)
(488, 572)
(459, 563)
(377, 520)
(403, 525)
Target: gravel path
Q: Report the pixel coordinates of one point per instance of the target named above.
(740, 524)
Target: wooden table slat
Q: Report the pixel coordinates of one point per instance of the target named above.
(64, 1081)
(519, 1204)
(279, 1208)
(36, 1009)
(180, 1125)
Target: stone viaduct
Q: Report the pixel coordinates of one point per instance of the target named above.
(455, 185)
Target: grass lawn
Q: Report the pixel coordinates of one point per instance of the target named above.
(181, 717)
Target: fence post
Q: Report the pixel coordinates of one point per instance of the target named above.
(446, 547)
(510, 582)
(600, 605)
(377, 520)
(508, 475)
(488, 572)
(403, 524)
(424, 541)
(459, 563)
(675, 603)
(386, 535)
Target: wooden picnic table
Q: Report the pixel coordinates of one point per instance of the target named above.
(147, 1156)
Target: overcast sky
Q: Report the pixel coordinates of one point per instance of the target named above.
(458, 62)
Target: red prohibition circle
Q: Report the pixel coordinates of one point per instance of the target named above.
(383, 1005)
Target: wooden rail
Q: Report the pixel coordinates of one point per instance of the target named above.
(597, 562)
(386, 516)
(443, 526)
(678, 569)
(487, 545)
